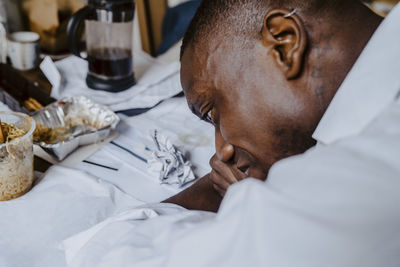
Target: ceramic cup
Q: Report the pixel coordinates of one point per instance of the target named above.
(23, 50)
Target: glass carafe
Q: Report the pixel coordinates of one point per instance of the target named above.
(109, 28)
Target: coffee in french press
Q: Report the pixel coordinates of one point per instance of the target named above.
(109, 28)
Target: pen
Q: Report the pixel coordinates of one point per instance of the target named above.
(99, 165)
(129, 151)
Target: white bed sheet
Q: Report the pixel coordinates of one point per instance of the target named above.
(140, 235)
(69, 201)
(65, 202)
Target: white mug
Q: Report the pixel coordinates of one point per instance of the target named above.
(23, 50)
(3, 44)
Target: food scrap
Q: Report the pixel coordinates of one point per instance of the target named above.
(48, 135)
(16, 162)
(9, 132)
(73, 127)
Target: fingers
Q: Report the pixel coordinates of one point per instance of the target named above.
(229, 171)
(226, 172)
(224, 175)
(219, 180)
(223, 170)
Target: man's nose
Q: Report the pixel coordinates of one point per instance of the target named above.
(225, 151)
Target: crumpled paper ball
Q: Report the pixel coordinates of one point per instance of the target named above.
(169, 163)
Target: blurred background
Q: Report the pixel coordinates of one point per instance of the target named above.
(159, 24)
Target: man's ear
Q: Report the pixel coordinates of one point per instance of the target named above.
(284, 32)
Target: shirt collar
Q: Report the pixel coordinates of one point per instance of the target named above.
(371, 85)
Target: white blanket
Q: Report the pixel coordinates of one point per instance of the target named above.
(64, 203)
(137, 236)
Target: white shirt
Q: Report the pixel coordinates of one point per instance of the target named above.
(335, 205)
(371, 85)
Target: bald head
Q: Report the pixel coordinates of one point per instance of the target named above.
(242, 19)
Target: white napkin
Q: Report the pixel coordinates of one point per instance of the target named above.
(169, 163)
(156, 81)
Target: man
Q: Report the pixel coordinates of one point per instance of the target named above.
(264, 72)
(335, 205)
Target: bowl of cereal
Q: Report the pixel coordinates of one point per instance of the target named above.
(16, 154)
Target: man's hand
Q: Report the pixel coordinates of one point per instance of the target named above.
(207, 192)
(224, 174)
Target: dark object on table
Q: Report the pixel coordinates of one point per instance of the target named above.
(176, 22)
(20, 86)
(109, 28)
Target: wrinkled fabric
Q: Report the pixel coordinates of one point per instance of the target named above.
(370, 86)
(157, 81)
(63, 204)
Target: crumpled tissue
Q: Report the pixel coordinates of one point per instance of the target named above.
(169, 163)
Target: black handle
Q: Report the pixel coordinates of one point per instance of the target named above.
(72, 30)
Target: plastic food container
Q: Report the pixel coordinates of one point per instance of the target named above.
(16, 157)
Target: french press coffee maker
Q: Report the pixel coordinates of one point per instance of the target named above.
(109, 28)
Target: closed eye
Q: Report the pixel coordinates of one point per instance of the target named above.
(208, 117)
